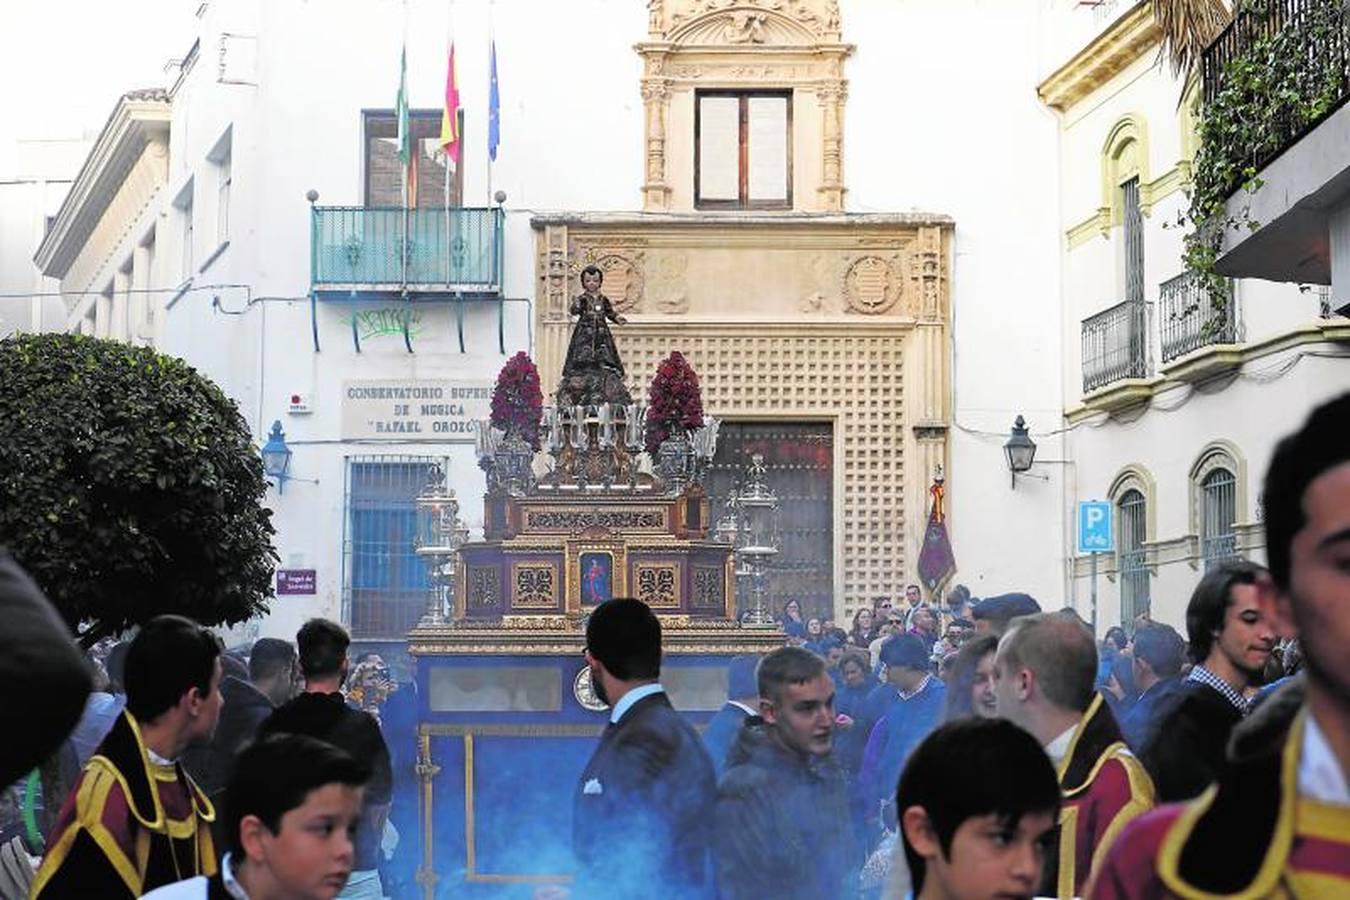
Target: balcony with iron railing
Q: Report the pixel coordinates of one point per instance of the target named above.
(1288, 63)
(1192, 317)
(363, 253)
(1115, 345)
(373, 248)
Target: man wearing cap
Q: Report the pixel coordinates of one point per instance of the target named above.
(992, 615)
(916, 712)
(742, 703)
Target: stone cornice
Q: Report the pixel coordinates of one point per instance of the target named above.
(742, 219)
(137, 121)
(1128, 38)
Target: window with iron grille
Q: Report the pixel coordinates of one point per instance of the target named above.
(799, 459)
(385, 581)
(1217, 514)
(1134, 580)
(1134, 242)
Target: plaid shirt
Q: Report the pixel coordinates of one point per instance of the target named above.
(1226, 690)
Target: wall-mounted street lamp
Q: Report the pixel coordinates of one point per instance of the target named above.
(1020, 449)
(276, 456)
(276, 459)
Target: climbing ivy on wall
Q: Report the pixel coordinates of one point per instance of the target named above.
(1288, 72)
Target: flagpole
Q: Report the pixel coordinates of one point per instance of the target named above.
(449, 258)
(405, 121)
(492, 75)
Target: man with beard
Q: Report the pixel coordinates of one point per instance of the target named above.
(1230, 640)
(134, 820)
(1277, 822)
(783, 827)
(643, 805)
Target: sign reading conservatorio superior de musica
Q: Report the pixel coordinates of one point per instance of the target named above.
(430, 410)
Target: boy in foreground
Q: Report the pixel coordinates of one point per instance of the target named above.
(970, 831)
(291, 809)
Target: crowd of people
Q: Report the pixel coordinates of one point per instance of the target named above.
(965, 749)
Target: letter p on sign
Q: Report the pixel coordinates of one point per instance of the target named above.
(1094, 527)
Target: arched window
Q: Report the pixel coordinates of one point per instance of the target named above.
(1132, 518)
(1218, 512)
(1217, 501)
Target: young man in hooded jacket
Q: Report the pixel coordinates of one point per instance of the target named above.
(782, 823)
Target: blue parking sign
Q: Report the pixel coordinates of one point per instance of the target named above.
(1095, 533)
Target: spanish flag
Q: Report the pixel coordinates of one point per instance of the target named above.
(450, 136)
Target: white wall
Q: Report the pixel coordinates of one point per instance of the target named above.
(929, 129)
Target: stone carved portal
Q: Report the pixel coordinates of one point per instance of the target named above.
(764, 44)
(831, 319)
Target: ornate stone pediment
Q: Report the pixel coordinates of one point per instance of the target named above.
(744, 21)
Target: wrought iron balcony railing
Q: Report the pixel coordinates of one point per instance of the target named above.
(1301, 50)
(1115, 345)
(458, 248)
(1192, 317)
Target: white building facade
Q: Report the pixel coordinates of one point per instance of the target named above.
(1173, 398)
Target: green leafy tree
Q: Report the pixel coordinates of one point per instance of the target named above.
(129, 486)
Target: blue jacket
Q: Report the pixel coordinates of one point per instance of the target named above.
(849, 742)
(894, 738)
(1135, 722)
(720, 734)
(782, 826)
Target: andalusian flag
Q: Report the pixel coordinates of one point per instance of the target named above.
(401, 111)
(450, 136)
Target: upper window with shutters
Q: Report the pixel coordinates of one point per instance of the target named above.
(743, 149)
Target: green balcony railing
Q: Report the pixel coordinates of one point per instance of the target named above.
(459, 248)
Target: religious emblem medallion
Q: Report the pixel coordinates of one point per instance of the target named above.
(584, 691)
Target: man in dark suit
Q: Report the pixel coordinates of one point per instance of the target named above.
(642, 810)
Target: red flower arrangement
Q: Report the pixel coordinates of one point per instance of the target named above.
(518, 400)
(674, 403)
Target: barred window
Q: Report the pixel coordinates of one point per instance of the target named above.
(1134, 579)
(385, 581)
(1218, 506)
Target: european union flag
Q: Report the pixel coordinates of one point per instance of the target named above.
(494, 109)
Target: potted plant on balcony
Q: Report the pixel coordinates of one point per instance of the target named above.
(517, 410)
(674, 408)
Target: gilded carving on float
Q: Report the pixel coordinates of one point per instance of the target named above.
(658, 584)
(563, 520)
(709, 587)
(536, 585)
(484, 589)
